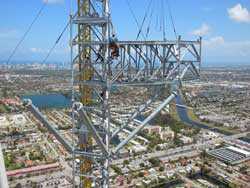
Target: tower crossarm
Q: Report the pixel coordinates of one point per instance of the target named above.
(145, 62)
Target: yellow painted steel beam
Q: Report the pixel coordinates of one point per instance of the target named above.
(86, 73)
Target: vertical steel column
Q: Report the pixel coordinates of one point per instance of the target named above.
(93, 27)
(86, 73)
(106, 109)
(73, 92)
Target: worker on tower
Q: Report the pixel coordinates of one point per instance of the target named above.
(114, 47)
(99, 54)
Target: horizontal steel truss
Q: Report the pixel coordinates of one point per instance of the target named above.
(138, 68)
(145, 63)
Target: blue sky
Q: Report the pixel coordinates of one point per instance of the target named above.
(224, 25)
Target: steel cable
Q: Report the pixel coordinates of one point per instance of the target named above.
(26, 33)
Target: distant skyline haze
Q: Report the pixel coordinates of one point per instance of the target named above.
(224, 26)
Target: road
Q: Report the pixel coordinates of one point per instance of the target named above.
(185, 149)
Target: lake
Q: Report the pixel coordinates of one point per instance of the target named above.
(49, 100)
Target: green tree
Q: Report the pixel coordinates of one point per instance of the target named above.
(117, 169)
(142, 165)
(125, 162)
(141, 174)
(161, 169)
(154, 161)
(5, 92)
(158, 148)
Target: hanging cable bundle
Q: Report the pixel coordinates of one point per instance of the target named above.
(163, 21)
(144, 19)
(172, 19)
(149, 24)
(160, 21)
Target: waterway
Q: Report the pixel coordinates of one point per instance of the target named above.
(245, 139)
(56, 100)
(184, 117)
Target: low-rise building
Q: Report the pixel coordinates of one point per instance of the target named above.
(209, 135)
(153, 129)
(186, 140)
(3, 121)
(167, 134)
(232, 155)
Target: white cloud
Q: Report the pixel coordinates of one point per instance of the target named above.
(218, 49)
(214, 41)
(38, 50)
(57, 51)
(8, 33)
(53, 1)
(202, 31)
(239, 14)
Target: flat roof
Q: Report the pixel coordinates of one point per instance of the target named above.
(32, 169)
(244, 152)
(230, 154)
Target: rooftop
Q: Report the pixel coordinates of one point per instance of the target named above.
(231, 154)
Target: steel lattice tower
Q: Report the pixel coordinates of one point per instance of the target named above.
(148, 64)
(93, 21)
(102, 63)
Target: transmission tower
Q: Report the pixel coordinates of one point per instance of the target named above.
(103, 63)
